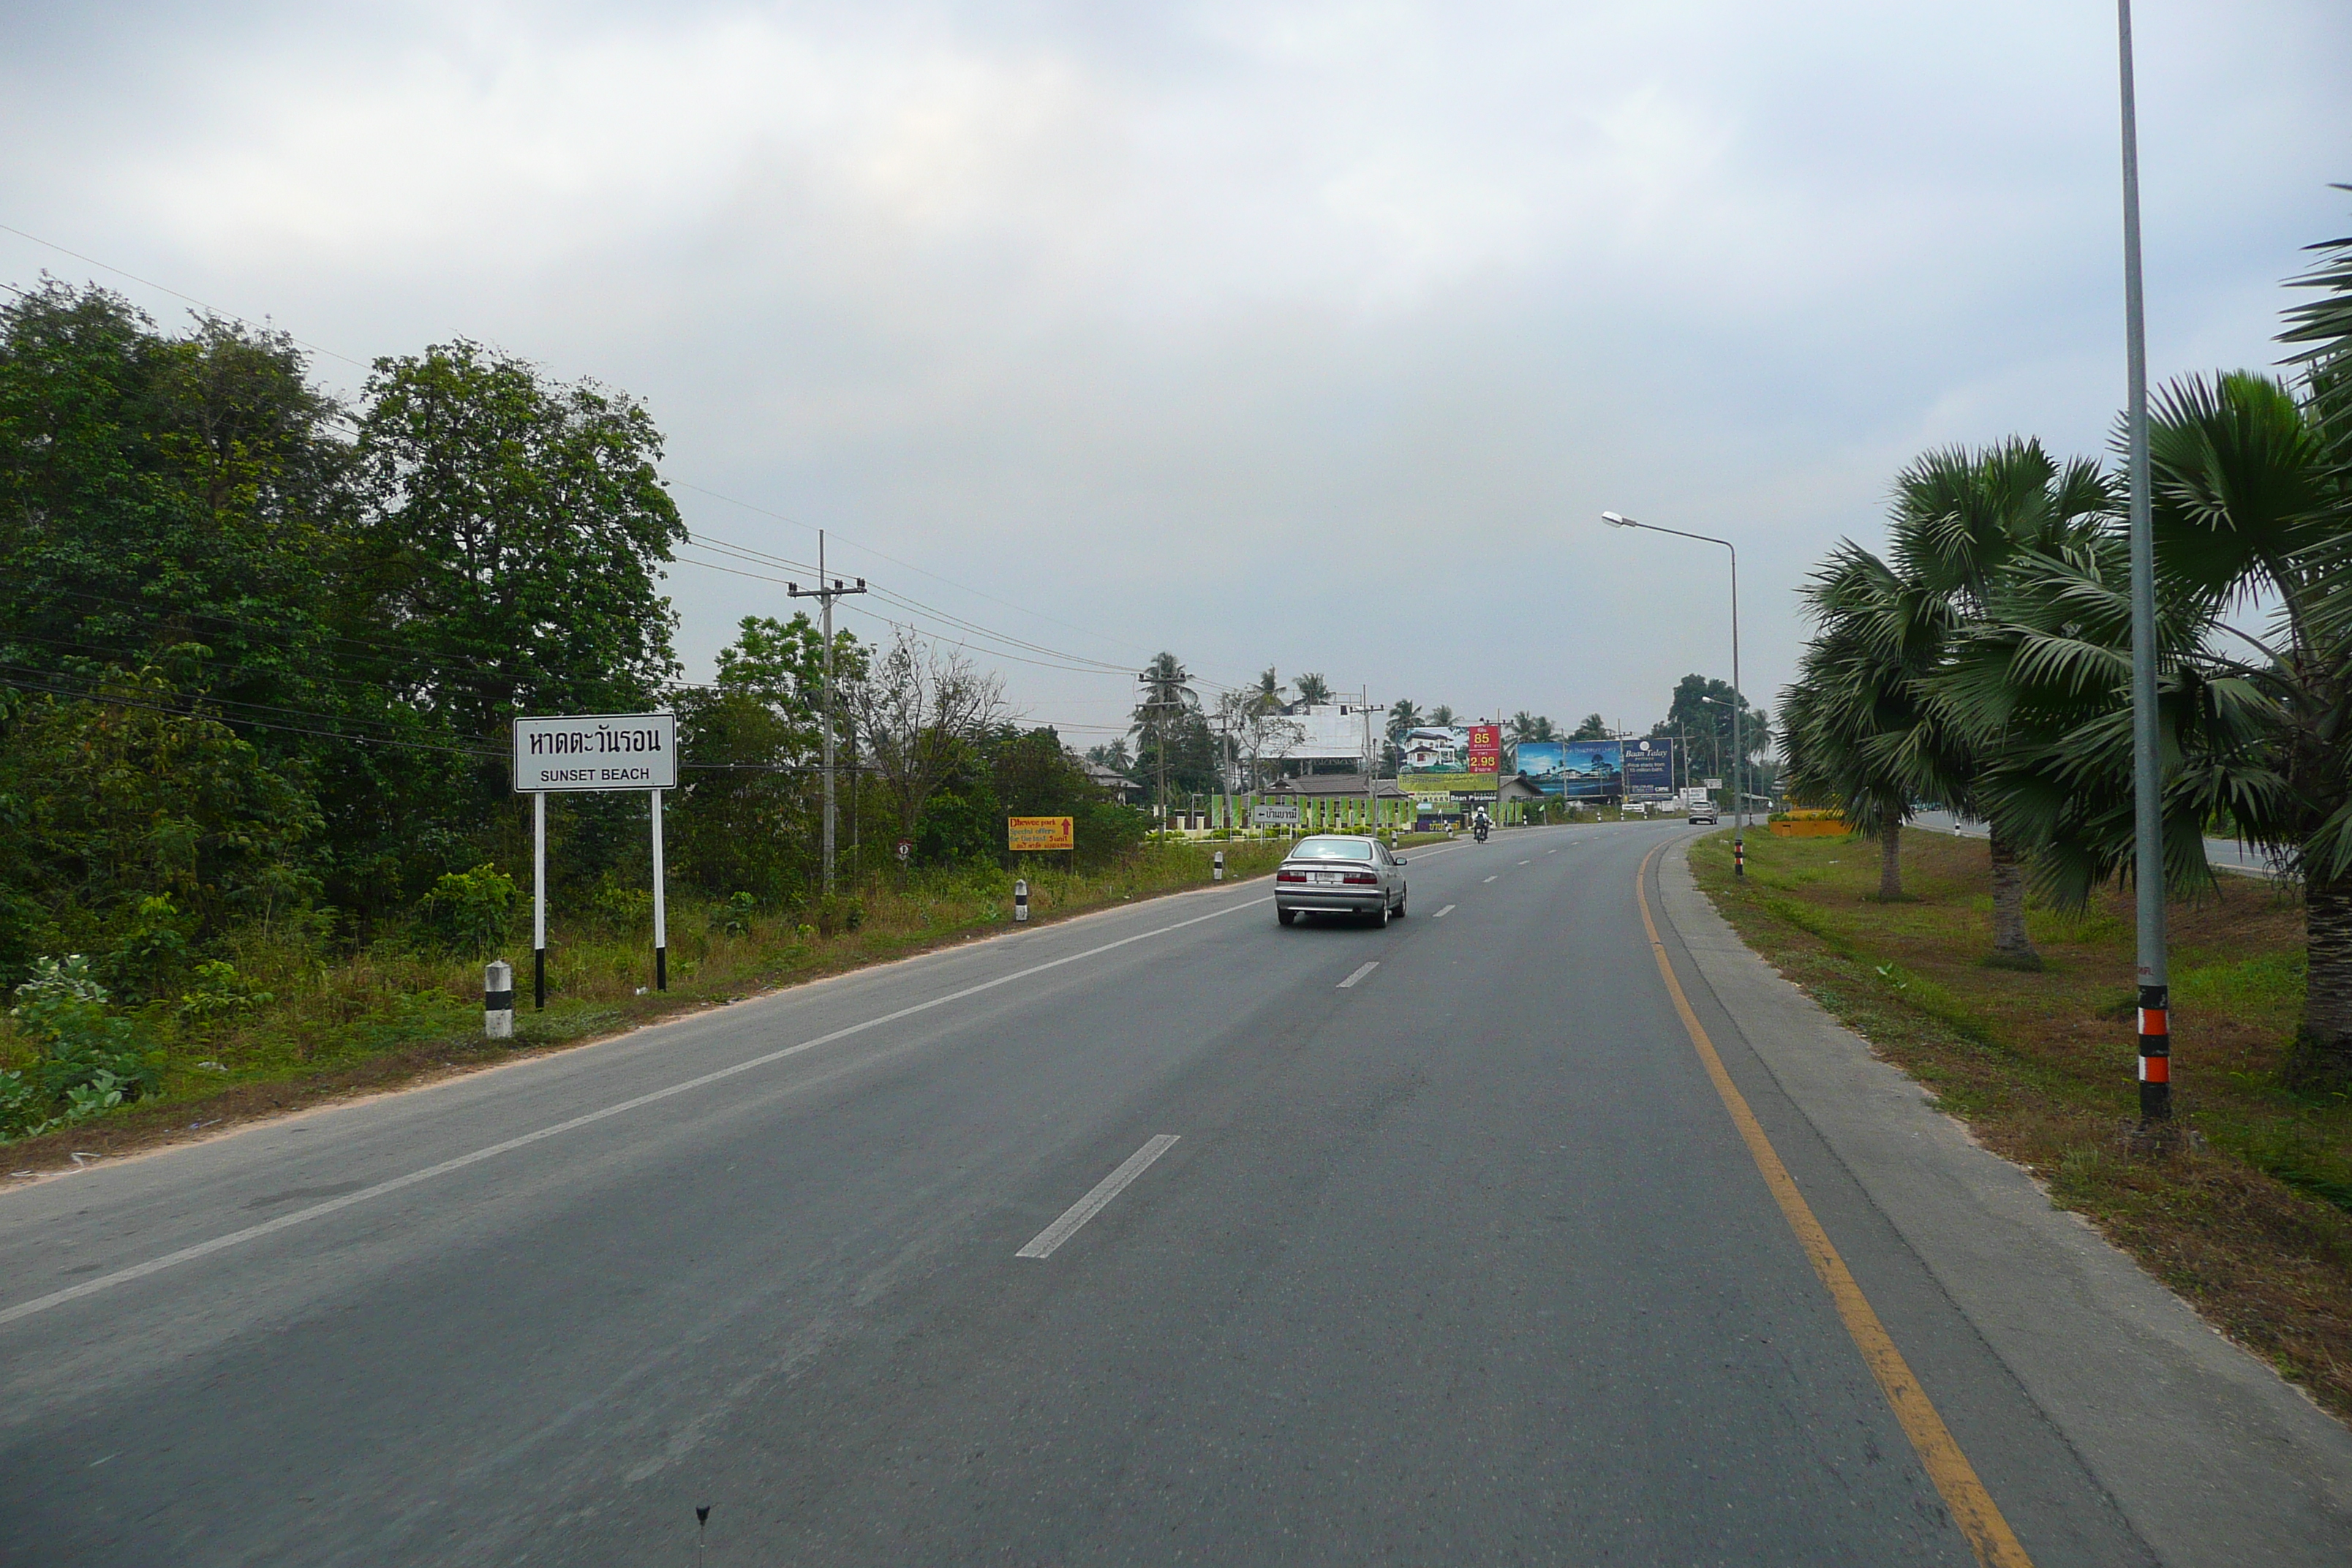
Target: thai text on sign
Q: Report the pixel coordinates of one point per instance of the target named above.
(595, 750)
(1041, 832)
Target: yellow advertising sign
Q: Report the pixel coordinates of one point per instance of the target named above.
(1040, 833)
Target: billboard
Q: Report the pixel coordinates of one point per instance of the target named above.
(1589, 769)
(1328, 732)
(1436, 760)
(1039, 833)
(1650, 769)
(1542, 762)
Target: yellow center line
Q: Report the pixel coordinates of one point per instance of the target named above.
(1972, 1507)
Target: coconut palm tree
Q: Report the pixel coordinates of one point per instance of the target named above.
(1442, 717)
(1313, 692)
(1167, 700)
(1403, 716)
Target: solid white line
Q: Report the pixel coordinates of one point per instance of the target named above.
(1443, 914)
(320, 1211)
(1042, 1245)
(1362, 970)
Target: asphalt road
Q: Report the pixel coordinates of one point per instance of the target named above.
(1462, 1261)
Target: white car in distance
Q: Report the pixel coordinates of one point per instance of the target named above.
(1339, 874)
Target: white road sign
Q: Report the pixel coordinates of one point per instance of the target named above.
(595, 750)
(1275, 815)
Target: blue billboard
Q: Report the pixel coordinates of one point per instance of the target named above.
(1650, 769)
(1574, 770)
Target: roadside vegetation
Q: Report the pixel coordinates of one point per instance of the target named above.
(2250, 1219)
(269, 1027)
(1982, 660)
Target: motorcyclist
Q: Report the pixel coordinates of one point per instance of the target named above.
(1478, 824)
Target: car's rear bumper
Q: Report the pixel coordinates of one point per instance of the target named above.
(1329, 901)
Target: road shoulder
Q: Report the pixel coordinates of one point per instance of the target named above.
(2207, 1452)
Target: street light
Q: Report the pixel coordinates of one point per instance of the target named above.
(1738, 796)
(2147, 777)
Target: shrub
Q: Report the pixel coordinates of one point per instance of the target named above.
(220, 993)
(838, 912)
(467, 911)
(734, 916)
(90, 1056)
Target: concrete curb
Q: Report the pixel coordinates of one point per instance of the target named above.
(2207, 1453)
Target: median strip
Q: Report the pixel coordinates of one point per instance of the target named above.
(1043, 1244)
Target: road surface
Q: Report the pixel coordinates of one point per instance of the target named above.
(1165, 1235)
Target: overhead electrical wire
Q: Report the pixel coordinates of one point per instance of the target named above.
(1053, 659)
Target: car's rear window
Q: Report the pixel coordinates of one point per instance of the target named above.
(1332, 849)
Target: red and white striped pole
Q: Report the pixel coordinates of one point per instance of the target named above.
(2155, 1053)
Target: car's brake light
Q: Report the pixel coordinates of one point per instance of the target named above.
(1363, 877)
(1290, 876)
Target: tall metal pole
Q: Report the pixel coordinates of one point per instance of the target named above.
(827, 598)
(824, 593)
(1738, 753)
(1739, 797)
(2147, 779)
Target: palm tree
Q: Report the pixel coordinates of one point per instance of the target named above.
(1960, 518)
(1858, 728)
(1441, 717)
(1403, 716)
(1593, 728)
(1168, 699)
(1313, 692)
(2251, 506)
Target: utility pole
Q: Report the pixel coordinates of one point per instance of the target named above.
(2148, 776)
(825, 592)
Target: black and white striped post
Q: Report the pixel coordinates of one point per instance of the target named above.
(1217, 871)
(1020, 900)
(497, 1000)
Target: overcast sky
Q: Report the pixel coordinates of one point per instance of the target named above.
(1309, 335)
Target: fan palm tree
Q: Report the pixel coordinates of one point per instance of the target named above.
(1859, 728)
(1959, 519)
(2251, 506)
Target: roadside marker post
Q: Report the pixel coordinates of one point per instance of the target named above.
(1217, 872)
(661, 903)
(1020, 900)
(497, 1000)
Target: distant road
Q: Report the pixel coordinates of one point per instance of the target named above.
(1163, 1235)
(2221, 854)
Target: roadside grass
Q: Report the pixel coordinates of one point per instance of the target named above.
(2251, 1221)
(392, 1015)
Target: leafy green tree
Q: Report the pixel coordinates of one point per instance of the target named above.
(514, 537)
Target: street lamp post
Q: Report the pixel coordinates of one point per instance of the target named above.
(1738, 796)
(2147, 779)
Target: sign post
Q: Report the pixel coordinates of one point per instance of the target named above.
(592, 751)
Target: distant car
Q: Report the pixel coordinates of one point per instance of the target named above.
(1339, 874)
(1702, 811)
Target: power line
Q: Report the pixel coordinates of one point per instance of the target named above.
(1072, 662)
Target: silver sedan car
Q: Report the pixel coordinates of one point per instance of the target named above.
(1339, 874)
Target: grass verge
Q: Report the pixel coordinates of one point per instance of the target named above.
(392, 1016)
(2251, 1221)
